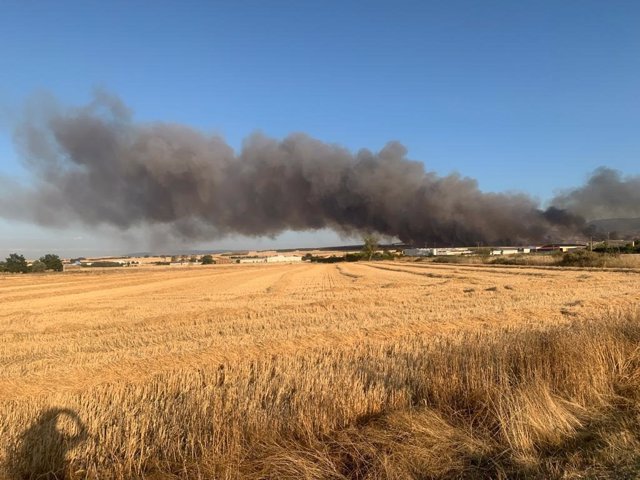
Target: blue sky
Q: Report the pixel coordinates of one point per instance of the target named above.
(527, 96)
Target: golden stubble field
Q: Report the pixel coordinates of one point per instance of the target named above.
(275, 371)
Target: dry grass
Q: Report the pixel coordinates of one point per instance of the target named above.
(379, 370)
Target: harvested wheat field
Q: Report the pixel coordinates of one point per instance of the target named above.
(359, 370)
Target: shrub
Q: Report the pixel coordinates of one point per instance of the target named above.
(631, 247)
(208, 260)
(38, 266)
(385, 255)
(103, 264)
(16, 264)
(52, 262)
(331, 259)
(583, 258)
(350, 257)
(450, 259)
(510, 260)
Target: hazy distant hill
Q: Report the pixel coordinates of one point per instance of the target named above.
(624, 227)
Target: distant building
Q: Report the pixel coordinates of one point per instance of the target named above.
(559, 247)
(511, 250)
(252, 260)
(271, 259)
(418, 252)
(283, 259)
(434, 252)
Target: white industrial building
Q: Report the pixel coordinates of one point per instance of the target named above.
(435, 252)
(511, 250)
(271, 259)
(252, 260)
(283, 259)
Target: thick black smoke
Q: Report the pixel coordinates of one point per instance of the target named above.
(607, 194)
(96, 166)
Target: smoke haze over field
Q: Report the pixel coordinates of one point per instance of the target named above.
(96, 166)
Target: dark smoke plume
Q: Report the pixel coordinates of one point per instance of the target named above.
(607, 194)
(96, 166)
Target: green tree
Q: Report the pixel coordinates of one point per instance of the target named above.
(52, 262)
(208, 260)
(370, 246)
(3, 267)
(16, 264)
(38, 266)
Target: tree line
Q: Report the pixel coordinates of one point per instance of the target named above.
(605, 247)
(16, 263)
(368, 252)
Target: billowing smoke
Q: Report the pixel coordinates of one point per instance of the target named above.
(607, 194)
(96, 166)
